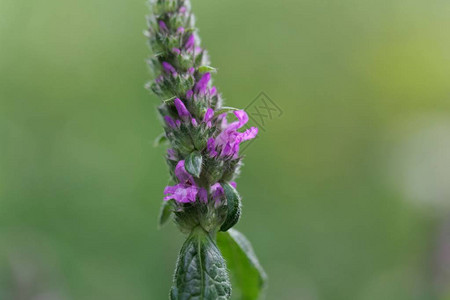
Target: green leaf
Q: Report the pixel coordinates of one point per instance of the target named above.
(224, 109)
(233, 206)
(201, 271)
(160, 139)
(204, 69)
(247, 275)
(193, 163)
(165, 212)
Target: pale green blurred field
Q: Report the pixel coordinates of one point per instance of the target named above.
(344, 194)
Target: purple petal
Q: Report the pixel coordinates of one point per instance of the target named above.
(227, 150)
(233, 184)
(191, 71)
(213, 91)
(202, 84)
(210, 146)
(194, 122)
(168, 67)
(180, 30)
(189, 94)
(170, 122)
(159, 79)
(162, 26)
(190, 42)
(182, 9)
(171, 154)
(170, 189)
(208, 115)
(222, 118)
(181, 193)
(176, 51)
(235, 151)
(203, 195)
(249, 134)
(242, 117)
(181, 108)
(217, 192)
(182, 175)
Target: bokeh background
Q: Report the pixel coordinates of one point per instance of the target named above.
(346, 194)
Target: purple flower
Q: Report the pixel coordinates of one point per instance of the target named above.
(182, 175)
(171, 154)
(181, 108)
(169, 68)
(213, 91)
(180, 30)
(190, 43)
(203, 195)
(181, 193)
(189, 94)
(182, 9)
(202, 84)
(194, 122)
(229, 139)
(217, 193)
(223, 120)
(159, 79)
(176, 51)
(186, 190)
(249, 134)
(208, 116)
(163, 27)
(170, 122)
(211, 147)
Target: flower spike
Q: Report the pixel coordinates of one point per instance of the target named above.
(203, 157)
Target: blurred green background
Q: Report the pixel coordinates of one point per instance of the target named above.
(346, 195)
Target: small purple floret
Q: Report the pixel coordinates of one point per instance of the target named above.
(181, 193)
(208, 116)
(170, 122)
(169, 68)
(180, 30)
(217, 193)
(163, 26)
(171, 154)
(159, 79)
(211, 147)
(203, 195)
(229, 139)
(202, 84)
(190, 43)
(186, 190)
(181, 108)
